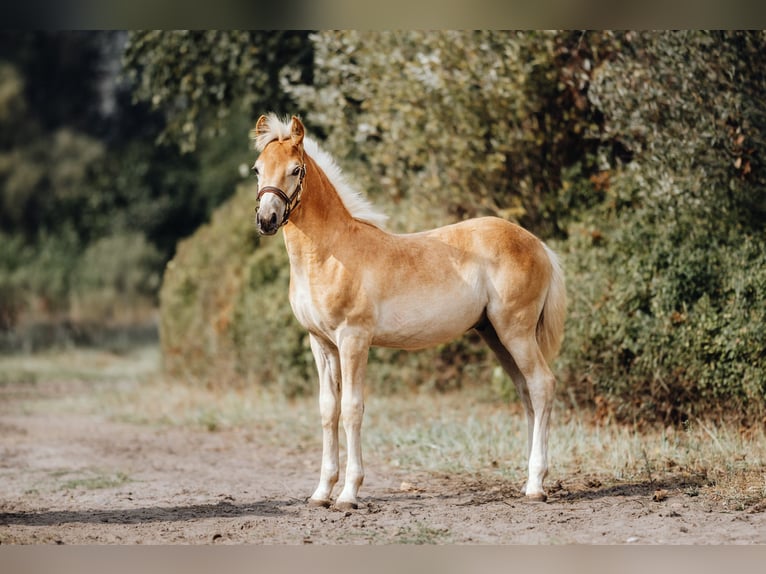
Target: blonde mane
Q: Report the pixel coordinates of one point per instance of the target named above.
(358, 206)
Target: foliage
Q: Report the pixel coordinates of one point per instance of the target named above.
(46, 179)
(637, 155)
(198, 78)
(61, 235)
(36, 278)
(484, 122)
(114, 273)
(83, 183)
(667, 276)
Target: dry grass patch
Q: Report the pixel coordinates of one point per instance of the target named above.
(464, 432)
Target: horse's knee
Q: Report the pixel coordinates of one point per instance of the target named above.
(330, 472)
(329, 419)
(352, 411)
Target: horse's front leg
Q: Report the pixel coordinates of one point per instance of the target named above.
(354, 349)
(328, 365)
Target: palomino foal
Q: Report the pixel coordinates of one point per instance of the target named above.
(354, 285)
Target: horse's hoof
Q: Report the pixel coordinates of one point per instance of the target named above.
(537, 497)
(314, 503)
(346, 505)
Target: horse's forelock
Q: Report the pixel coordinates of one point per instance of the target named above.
(276, 129)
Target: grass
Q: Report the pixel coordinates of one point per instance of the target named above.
(465, 433)
(79, 364)
(462, 432)
(82, 479)
(96, 482)
(422, 534)
(57, 380)
(17, 376)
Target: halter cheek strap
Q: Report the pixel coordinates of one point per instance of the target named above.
(291, 201)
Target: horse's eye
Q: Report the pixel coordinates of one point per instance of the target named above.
(297, 171)
(255, 171)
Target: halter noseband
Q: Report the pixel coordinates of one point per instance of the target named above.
(291, 201)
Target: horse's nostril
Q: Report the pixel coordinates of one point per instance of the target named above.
(273, 220)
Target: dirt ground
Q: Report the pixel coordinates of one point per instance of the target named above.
(68, 478)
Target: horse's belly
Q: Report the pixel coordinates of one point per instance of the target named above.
(432, 322)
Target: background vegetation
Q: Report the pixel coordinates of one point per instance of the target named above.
(638, 156)
(94, 190)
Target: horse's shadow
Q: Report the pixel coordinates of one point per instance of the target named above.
(581, 491)
(630, 489)
(147, 514)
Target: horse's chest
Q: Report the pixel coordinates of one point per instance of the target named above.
(319, 306)
(300, 301)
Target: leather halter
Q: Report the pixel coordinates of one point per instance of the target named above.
(291, 201)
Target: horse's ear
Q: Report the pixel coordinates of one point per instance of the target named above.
(260, 131)
(261, 127)
(297, 131)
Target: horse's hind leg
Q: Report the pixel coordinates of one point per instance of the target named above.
(522, 358)
(488, 333)
(328, 365)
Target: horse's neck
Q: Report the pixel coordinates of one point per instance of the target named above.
(314, 226)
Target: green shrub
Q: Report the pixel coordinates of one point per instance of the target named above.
(666, 277)
(453, 124)
(199, 288)
(114, 277)
(637, 155)
(37, 278)
(665, 333)
(90, 208)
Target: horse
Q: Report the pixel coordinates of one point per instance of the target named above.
(354, 285)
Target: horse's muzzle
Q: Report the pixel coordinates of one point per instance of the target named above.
(267, 225)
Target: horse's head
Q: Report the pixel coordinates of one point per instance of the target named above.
(280, 169)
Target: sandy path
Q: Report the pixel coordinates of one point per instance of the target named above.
(83, 479)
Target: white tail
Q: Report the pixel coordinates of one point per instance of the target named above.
(550, 327)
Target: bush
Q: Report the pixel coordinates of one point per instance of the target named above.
(454, 124)
(667, 313)
(666, 333)
(637, 155)
(115, 279)
(36, 279)
(225, 316)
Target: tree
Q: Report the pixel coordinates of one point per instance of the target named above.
(80, 175)
(198, 78)
(482, 122)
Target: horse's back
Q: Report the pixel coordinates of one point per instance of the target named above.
(496, 241)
